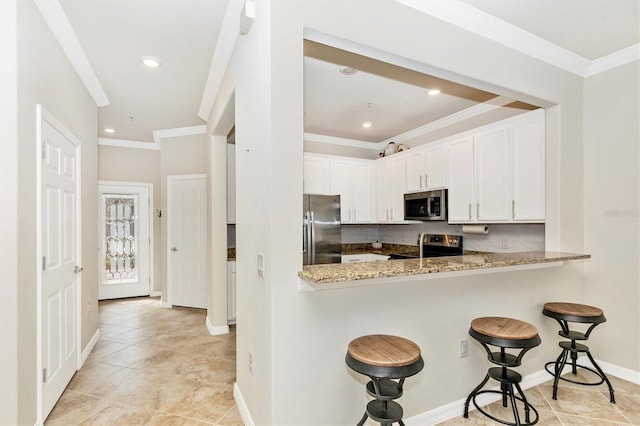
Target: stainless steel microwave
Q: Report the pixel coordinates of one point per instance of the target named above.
(426, 205)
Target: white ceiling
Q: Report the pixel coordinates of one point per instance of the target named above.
(580, 36)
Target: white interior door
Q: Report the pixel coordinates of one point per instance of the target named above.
(125, 240)
(60, 276)
(187, 256)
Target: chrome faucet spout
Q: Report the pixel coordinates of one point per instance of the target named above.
(421, 243)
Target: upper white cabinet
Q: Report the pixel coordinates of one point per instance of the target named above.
(231, 183)
(528, 168)
(352, 179)
(426, 168)
(497, 173)
(391, 188)
(316, 174)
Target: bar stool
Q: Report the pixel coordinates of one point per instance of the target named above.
(504, 333)
(565, 313)
(383, 358)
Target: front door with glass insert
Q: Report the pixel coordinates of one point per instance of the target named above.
(125, 241)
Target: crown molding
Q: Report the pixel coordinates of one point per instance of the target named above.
(158, 135)
(333, 140)
(485, 25)
(450, 120)
(59, 24)
(123, 143)
(229, 33)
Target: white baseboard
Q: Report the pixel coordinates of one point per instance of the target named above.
(214, 331)
(155, 294)
(242, 406)
(456, 408)
(87, 350)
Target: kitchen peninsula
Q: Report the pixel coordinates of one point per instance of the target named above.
(332, 276)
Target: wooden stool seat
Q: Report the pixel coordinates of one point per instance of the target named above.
(574, 309)
(384, 351)
(387, 361)
(504, 328)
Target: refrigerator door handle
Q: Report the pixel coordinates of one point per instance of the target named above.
(312, 240)
(306, 250)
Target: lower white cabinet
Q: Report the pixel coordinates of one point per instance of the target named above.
(363, 257)
(231, 292)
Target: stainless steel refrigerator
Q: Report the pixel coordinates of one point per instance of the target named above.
(322, 239)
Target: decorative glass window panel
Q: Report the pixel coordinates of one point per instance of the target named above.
(120, 253)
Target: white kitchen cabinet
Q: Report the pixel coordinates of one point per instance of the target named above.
(527, 138)
(391, 188)
(231, 292)
(491, 165)
(316, 174)
(426, 168)
(363, 257)
(497, 173)
(352, 180)
(461, 203)
(231, 183)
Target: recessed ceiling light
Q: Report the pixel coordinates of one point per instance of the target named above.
(366, 124)
(109, 130)
(151, 62)
(433, 92)
(348, 70)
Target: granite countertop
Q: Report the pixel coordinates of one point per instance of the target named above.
(316, 275)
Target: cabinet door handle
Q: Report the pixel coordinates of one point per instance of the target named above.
(420, 181)
(469, 211)
(349, 215)
(478, 211)
(354, 215)
(426, 180)
(391, 213)
(513, 209)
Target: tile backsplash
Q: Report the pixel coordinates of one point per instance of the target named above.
(502, 238)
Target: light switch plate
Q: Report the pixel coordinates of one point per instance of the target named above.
(261, 264)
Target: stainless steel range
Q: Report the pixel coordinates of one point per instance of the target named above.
(435, 245)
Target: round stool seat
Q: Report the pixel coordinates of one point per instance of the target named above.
(382, 350)
(383, 358)
(573, 312)
(504, 332)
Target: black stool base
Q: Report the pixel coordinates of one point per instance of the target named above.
(508, 393)
(558, 366)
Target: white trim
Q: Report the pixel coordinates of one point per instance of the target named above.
(87, 351)
(333, 140)
(158, 135)
(485, 25)
(225, 45)
(137, 186)
(615, 370)
(43, 115)
(170, 179)
(156, 293)
(58, 23)
(243, 409)
(215, 331)
(616, 59)
(123, 143)
(450, 120)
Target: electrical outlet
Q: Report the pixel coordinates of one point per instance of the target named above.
(250, 363)
(505, 244)
(464, 348)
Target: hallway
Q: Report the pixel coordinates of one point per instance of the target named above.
(153, 366)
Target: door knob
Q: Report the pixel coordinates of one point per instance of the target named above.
(77, 269)
(174, 249)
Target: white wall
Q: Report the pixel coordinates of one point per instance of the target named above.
(137, 165)
(611, 205)
(44, 77)
(182, 155)
(9, 215)
(298, 340)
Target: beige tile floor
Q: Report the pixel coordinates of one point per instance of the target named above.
(152, 366)
(158, 366)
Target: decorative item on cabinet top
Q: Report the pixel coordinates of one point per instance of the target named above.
(392, 149)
